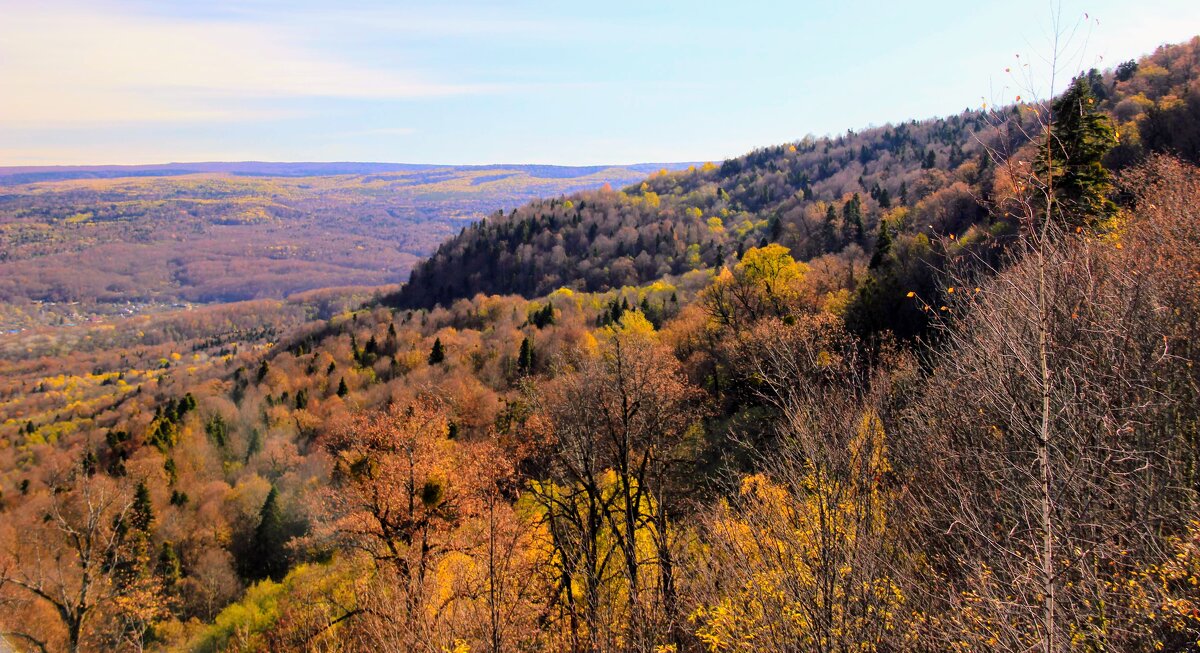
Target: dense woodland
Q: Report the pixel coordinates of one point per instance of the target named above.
(932, 185)
(75, 244)
(927, 387)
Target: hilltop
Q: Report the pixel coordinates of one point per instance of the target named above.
(824, 199)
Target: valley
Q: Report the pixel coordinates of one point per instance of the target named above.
(78, 244)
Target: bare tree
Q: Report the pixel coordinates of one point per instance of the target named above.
(68, 558)
(624, 412)
(803, 556)
(1045, 454)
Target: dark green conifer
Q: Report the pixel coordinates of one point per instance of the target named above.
(1070, 161)
(269, 553)
(168, 567)
(141, 513)
(438, 353)
(525, 358)
(883, 245)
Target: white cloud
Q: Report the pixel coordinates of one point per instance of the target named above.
(82, 65)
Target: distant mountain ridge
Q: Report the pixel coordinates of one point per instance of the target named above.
(14, 175)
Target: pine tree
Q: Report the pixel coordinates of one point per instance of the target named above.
(254, 445)
(544, 316)
(262, 371)
(883, 246)
(141, 513)
(828, 231)
(217, 430)
(438, 353)
(269, 554)
(168, 567)
(89, 463)
(776, 227)
(1071, 161)
(389, 345)
(342, 390)
(852, 223)
(525, 358)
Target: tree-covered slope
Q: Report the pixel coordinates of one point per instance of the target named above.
(814, 196)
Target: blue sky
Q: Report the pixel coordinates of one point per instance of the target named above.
(149, 81)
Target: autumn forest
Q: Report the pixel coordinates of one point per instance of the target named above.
(927, 386)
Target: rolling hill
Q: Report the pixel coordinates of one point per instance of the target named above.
(78, 242)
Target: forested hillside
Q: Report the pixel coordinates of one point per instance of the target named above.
(929, 387)
(824, 199)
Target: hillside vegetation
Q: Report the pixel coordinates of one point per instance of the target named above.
(824, 199)
(733, 408)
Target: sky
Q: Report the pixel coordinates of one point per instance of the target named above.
(554, 82)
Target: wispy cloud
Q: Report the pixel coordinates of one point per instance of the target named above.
(83, 65)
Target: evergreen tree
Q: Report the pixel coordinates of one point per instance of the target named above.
(438, 353)
(1127, 70)
(342, 390)
(141, 513)
(254, 444)
(389, 345)
(644, 307)
(776, 226)
(1071, 161)
(852, 219)
(262, 371)
(828, 229)
(269, 554)
(883, 245)
(525, 358)
(89, 463)
(168, 567)
(544, 316)
(217, 430)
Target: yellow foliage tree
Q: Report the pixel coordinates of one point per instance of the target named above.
(766, 282)
(795, 561)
